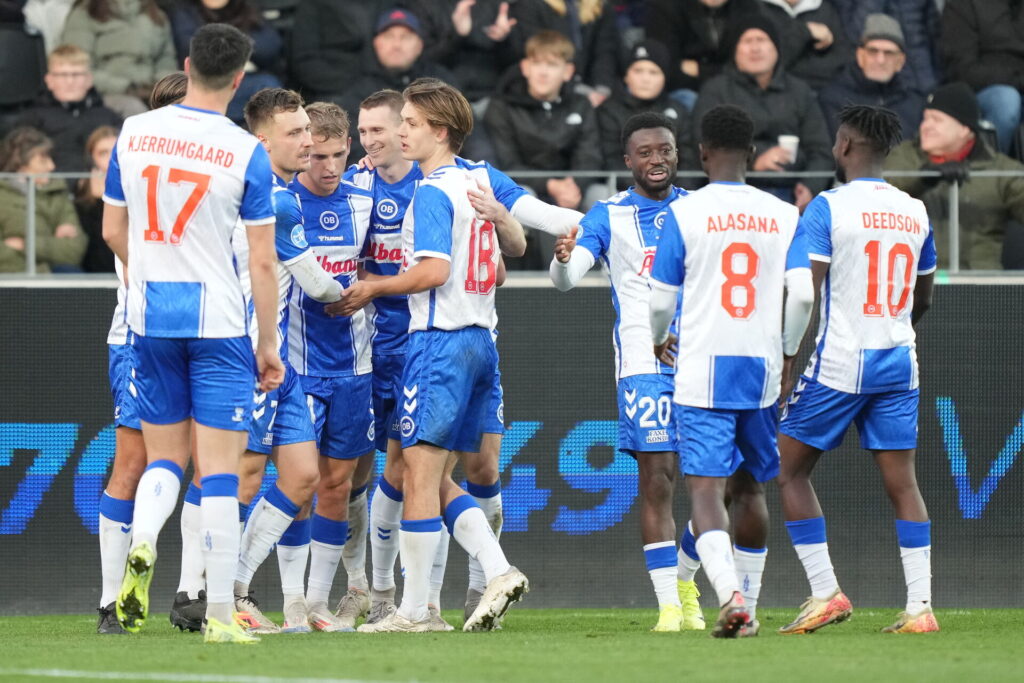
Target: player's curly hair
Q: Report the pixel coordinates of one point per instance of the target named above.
(261, 107)
(727, 127)
(647, 119)
(880, 127)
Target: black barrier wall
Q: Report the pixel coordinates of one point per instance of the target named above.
(570, 500)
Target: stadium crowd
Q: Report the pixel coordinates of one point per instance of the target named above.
(551, 83)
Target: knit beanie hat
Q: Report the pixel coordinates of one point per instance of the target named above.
(957, 100)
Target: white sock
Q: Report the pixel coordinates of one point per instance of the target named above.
(818, 567)
(917, 570)
(267, 521)
(749, 569)
(220, 540)
(354, 555)
(688, 565)
(155, 499)
(385, 517)
(470, 530)
(661, 565)
(292, 555)
(418, 541)
(492, 507)
(115, 539)
(715, 550)
(438, 568)
(324, 555)
(191, 580)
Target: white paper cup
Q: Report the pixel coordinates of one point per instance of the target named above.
(790, 143)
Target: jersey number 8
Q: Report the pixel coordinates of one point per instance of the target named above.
(742, 280)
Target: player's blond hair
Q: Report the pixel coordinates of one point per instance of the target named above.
(267, 103)
(550, 43)
(589, 9)
(443, 107)
(69, 54)
(328, 121)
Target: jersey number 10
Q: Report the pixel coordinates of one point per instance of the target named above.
(481, 249)
(873, 306)
(201, 181)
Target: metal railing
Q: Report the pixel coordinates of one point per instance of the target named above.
(611, 178)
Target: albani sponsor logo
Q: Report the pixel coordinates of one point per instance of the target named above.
(336, 267)
(380, 253)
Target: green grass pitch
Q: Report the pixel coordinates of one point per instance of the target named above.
(535, 645)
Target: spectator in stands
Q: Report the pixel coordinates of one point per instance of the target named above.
(811, 39)
(130, 44)
(948, 142)
(643, 89)
(919, 21)
(537, 122)
(692, 30)
(60, 242)
(983, 45)
(48, 17)
(396, 61)
(89, 200)
(780, 105)
(70, 109)
(591, 28)
(483, 48)
(330, 39)
(188, 16)
(875, 77)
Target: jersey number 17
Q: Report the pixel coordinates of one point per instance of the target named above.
(201, 183)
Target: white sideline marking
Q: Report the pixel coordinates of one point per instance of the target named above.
(173, 677)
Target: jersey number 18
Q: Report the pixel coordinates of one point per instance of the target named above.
(481, 251)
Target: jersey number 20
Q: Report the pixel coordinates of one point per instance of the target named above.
(481, 249)
(201, 183)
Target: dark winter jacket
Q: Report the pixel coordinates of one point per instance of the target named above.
(798, 56)
(331, 39)
(477, 61)
(852, 87)
(787, 107)
(919, 20)
(544, 136)
(986, 204)
(983, 42)
(69, 125)
(616, 110)
(186, 20)
(692, 30)
(597, 55)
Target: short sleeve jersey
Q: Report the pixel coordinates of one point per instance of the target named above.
(186, 177)
(623, 233)
(336, 227)
(877, 240)
(729, 246)
(441, 223)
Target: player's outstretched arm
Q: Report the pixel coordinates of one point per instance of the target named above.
(922, 296)
(554, 220)
(511, 237)
(429, 273)
(313, 279)
(263, 276)
(569, 264)
(115, 230)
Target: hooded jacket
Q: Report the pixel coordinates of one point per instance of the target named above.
(53, 208)
(797, 51)
(69, 125)
(852, 87)
(617, 109)
(692, 30)
(786, 107)
(529, 134)
(130, 50)
(986, 204)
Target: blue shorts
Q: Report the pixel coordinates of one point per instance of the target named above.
(120, 367)
(494, 421)
(447, 388)
(717, 442)
(281, 417)
(819, 416)
(387, 387)
(645, 414)
(342, 412)
(213, 381)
